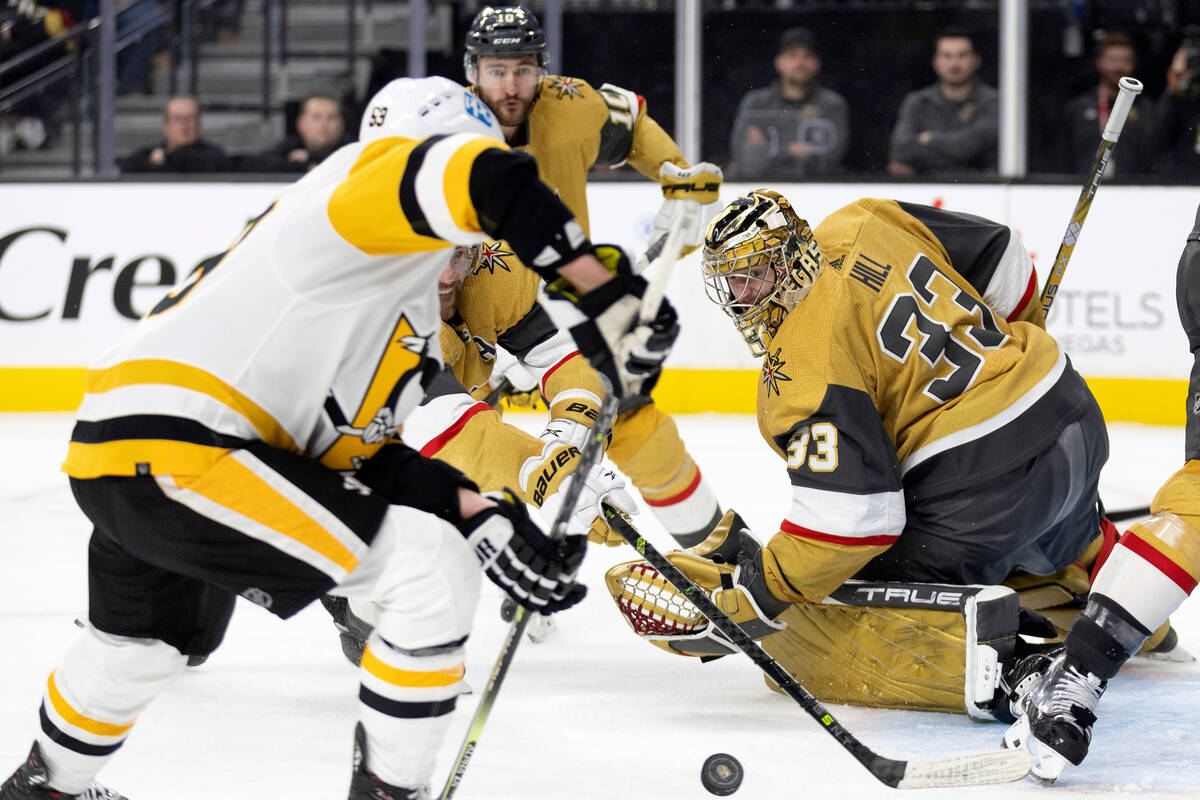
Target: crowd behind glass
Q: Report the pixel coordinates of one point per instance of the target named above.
(788, 93)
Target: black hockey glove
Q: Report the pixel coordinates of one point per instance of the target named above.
(404, 477)
(629, 353)
(531, 568)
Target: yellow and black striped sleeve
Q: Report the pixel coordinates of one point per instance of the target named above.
(455, 188)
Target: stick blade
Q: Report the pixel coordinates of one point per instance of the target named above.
(967, 769)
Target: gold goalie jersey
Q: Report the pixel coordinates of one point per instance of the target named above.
(315, 343)
(894, 380)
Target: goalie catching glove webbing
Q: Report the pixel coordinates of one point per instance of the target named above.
(532, 569)
(730, 566)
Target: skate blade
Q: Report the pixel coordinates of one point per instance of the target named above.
(1047, 765)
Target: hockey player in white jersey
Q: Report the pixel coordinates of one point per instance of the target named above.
(1152, 569)
(243, 440)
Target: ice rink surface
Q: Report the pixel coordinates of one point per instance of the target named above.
(593, 712)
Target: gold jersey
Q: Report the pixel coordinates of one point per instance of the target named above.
(894, 381)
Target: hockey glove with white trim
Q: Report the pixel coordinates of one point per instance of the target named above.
(513, 381)
(699, 184)
(627, 352)
(601, 484)
(517, 556)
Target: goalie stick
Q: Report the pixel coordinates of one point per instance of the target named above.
(966, 769)
(590, 455)
(1128, 90)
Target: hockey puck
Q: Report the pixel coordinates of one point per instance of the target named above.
(721, 774)
(508, 609)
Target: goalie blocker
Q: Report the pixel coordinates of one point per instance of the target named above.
(927, 646)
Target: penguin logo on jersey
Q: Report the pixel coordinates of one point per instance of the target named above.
(567, 88)
(772, 372)
(491, 256)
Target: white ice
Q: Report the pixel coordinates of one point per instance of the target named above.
(591, 713)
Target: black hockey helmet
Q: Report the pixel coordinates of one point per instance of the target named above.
(505, 32)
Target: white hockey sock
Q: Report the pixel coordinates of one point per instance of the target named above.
(1143, 580)
(405, 703)
(690, 515)
(92, 700)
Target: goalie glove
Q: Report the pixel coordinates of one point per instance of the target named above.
(532, 569)
(660, 613)
(605, 326)
(699, 184)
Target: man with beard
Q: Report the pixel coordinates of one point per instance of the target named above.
(568, 127)
(952, 126)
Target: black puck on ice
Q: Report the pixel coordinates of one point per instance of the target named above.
(721, 774)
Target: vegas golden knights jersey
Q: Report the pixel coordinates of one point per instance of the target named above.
(894, 381)
(571, 128)
(315, 331)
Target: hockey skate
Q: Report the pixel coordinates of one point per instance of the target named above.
(1019, 677)
(364, 785)
(29, 783)
(1057, 715)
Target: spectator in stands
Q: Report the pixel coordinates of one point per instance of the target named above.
(952, 126)
(794, 128)
(320, 129)
(1087, 113)
(182, 149)
(1178, 116)
(23, 26)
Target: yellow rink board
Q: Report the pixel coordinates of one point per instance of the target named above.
(680, 391)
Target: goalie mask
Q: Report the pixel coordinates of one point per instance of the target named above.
(504, 32)
(759, 261)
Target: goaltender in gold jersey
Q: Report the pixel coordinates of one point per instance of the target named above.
(937, 441)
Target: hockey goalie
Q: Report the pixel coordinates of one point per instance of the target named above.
(943, 457)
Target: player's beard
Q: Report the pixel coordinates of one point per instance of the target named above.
(511, 111)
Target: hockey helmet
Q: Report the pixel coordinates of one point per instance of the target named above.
(759, 261)
(504, 32)
(416, 108)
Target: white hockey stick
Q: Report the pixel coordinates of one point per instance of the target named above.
(672, 249)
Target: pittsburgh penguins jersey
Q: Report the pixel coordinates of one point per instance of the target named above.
(316, 330)
(894, 381)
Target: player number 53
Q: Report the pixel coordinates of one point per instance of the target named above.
(824, 438)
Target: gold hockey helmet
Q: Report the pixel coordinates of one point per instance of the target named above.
(759, 261)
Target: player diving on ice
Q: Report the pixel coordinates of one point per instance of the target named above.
(242, 440)
(938, 444)
(1152, 569)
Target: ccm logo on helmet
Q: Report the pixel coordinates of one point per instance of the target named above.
(378, 115)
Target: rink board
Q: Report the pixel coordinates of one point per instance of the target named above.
(80, 262)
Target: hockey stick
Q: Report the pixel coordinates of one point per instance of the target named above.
(1129, 88)
(592, 452)
(590, 455)
(967, 769)
(1128, 514)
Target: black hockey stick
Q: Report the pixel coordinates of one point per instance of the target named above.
(589, 456)
(1129, 88)
(1128, 514)
(967, 769)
